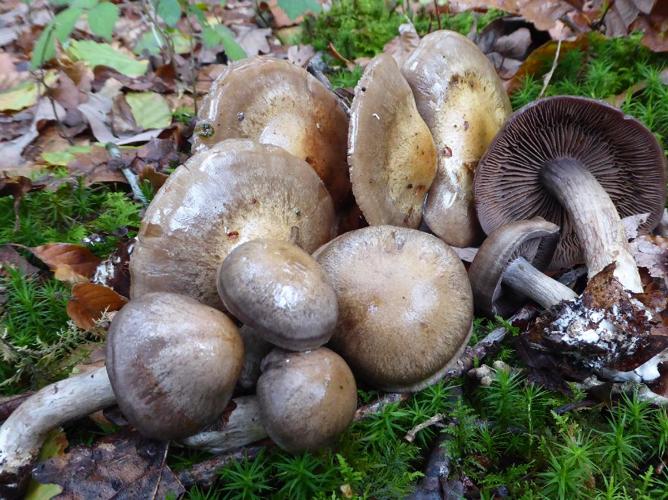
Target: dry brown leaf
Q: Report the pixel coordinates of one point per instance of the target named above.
(10, 257)
(89, 301)
(123, 465)
(651, 252)
(72, 263)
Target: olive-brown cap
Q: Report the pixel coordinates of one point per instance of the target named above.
(306, 398)
(279, 290)
(405, 304)
(172, 363)
(390, 149)
(276, 102)
(535, 240)
(618, 150)
(237, 191)
(464, 104)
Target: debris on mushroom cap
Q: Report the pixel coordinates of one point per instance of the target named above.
(276, 102)
(405, 305)
(534, 240)
(608, 331)
(619, 151)
(462, 100)
(390, 149)
(237, 191)
(172, 363)
(306, 398)
(279, 290)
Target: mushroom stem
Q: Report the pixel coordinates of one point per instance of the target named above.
(521, 276)
(24, 432)
(597, 223)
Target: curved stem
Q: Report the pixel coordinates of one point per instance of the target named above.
(24, 432)
(597, 223)
(520, 275)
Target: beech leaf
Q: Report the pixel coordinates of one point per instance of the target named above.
(72, 263)
(89, 301)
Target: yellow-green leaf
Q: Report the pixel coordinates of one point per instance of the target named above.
(62, 158)
(55, 445)
(25, 94)
(102, 19)
(150, 110)
(102, 54)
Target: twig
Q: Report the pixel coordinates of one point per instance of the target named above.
(410, 435)
(438, 14)
(205, 474)
(116, 157)
(162, 468)
(434, 484)
(378, 405)
(548, 76)
(337, 55)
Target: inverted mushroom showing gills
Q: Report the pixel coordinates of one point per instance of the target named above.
(306, 398)
(508, 268)
(462, 100)
(390, 149)
(236, 191)
(581, 164)
(405, 305)
(276, 102)
(281, 292)
(173, 364)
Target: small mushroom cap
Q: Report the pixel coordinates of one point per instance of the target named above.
(405, 304)
(618, 150)
(236, 191)
(306, 398)
(279, 290)
(276, 102)
(534, 239)
(172, 363)
(464, 104)
(391, 152)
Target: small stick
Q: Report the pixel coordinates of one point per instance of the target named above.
(337, 55)
(438, 14)
(436, 419)
(115, 155)
(548, 76)
(205, 474)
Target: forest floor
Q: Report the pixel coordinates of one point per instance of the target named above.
(77, 74)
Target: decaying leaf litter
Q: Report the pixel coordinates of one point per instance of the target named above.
(141, 83)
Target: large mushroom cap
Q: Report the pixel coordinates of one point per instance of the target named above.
(276, 102)
(535, 240)
(172, 363)
(405, 304)
(618, 150)
(306, 398)
(391, 152)
(235, 192)
(462, 100)
(280, 291)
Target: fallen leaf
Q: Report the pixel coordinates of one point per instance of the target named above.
(401, 46)
(25, 94)
(150, 110)
(54, 446)
(10, 257)
(300, 54)
(102, 54)
(89, 301)
(114, 272)
(71, 263)
(651, 252)
(63, 157)
(123, 465)
(253, 40)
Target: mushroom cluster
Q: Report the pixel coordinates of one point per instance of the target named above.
(239, 281)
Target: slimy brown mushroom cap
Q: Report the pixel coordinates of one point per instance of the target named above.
(280, 291)
(462, 100)
(390, 149)
(236, 191)
(547, 137)
(405, 304)
(172, 363)
(306, 398)
(276, 102)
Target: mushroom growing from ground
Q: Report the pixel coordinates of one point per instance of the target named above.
(462, 100)
(581, 164)
(280, 291)
(508, 268)
(276, 102)
(170, 378)
(306, 398)
(405, 305)
(390, 149)
(237, 191)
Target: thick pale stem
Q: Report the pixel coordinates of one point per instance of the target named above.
(240, 427)
(24, 432)
(521, 276)
(597, 223)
